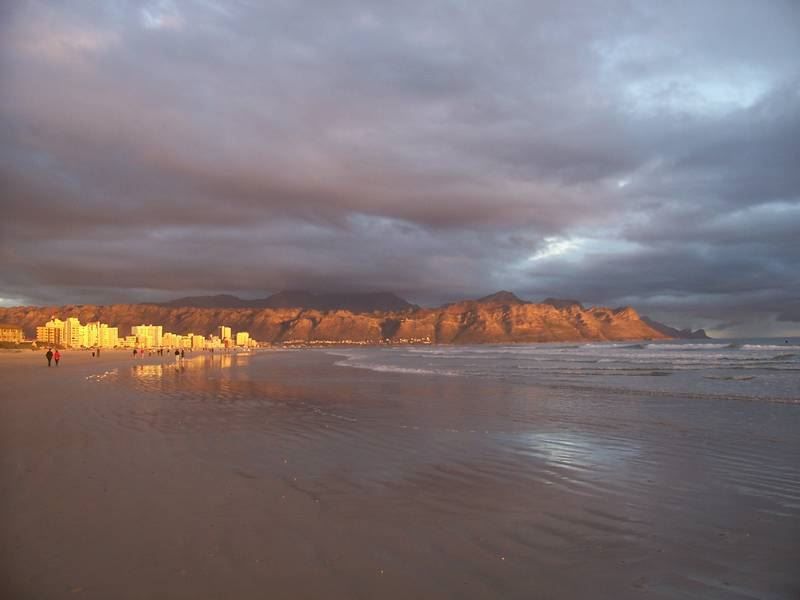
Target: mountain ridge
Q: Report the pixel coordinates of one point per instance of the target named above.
(354, 302)
(498, 318)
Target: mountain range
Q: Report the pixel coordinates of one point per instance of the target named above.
(368, 318)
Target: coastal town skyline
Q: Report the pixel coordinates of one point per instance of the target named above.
(71, 333)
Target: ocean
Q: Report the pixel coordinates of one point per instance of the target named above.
(765, 369)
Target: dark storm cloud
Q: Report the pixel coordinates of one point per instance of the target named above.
(614, 152)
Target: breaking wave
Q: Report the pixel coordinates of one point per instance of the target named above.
(382, 368)
(763, 347)
(708, 368)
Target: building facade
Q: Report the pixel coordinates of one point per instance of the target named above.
(75, 334)
(108, 337)
(148, 336)
(51, 333)
(10, 333)
(72, 334)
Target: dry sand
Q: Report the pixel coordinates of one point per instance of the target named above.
(282, 476)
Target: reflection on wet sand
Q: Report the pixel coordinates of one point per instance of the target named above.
(203, 362)
(310, 480)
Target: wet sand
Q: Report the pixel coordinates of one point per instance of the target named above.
(281, 475)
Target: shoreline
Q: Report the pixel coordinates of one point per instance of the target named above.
(382, 344)
(83, 357)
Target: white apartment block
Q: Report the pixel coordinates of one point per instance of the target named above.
(72, 334)
(75, 334)
(148, 336)
(51, 333)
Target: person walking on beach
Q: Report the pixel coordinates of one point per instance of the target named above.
(49, 356)
(98, 353)
(181, 354)
(57, 357)
(177, 356)
(135, 351)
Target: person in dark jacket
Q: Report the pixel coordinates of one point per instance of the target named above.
(49, 356)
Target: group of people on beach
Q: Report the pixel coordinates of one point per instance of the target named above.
(160, 352)
(51, 356)
(56, 356)
(179, 353)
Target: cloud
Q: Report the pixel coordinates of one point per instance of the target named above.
(638, 152)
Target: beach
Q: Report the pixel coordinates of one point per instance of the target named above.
(286, 474)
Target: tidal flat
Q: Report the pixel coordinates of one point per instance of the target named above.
(286, 474)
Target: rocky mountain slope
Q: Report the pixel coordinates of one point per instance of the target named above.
(499, 318)
(672, 332)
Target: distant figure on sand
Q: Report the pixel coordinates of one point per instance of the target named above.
(57, 357)
(134, 352)
(49, 356)
(181, 354)
(98, 353)
(177, 356)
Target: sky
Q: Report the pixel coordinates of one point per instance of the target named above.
(619, 153)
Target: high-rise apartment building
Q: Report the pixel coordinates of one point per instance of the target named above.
(75, 334)
(100, 335)
(93, 334)
(51, 333)
(224, 332)
(71, 333)
(242, 338)
(148, 336)
(108, 337)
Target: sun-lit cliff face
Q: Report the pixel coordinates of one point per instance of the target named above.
(500, 318)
